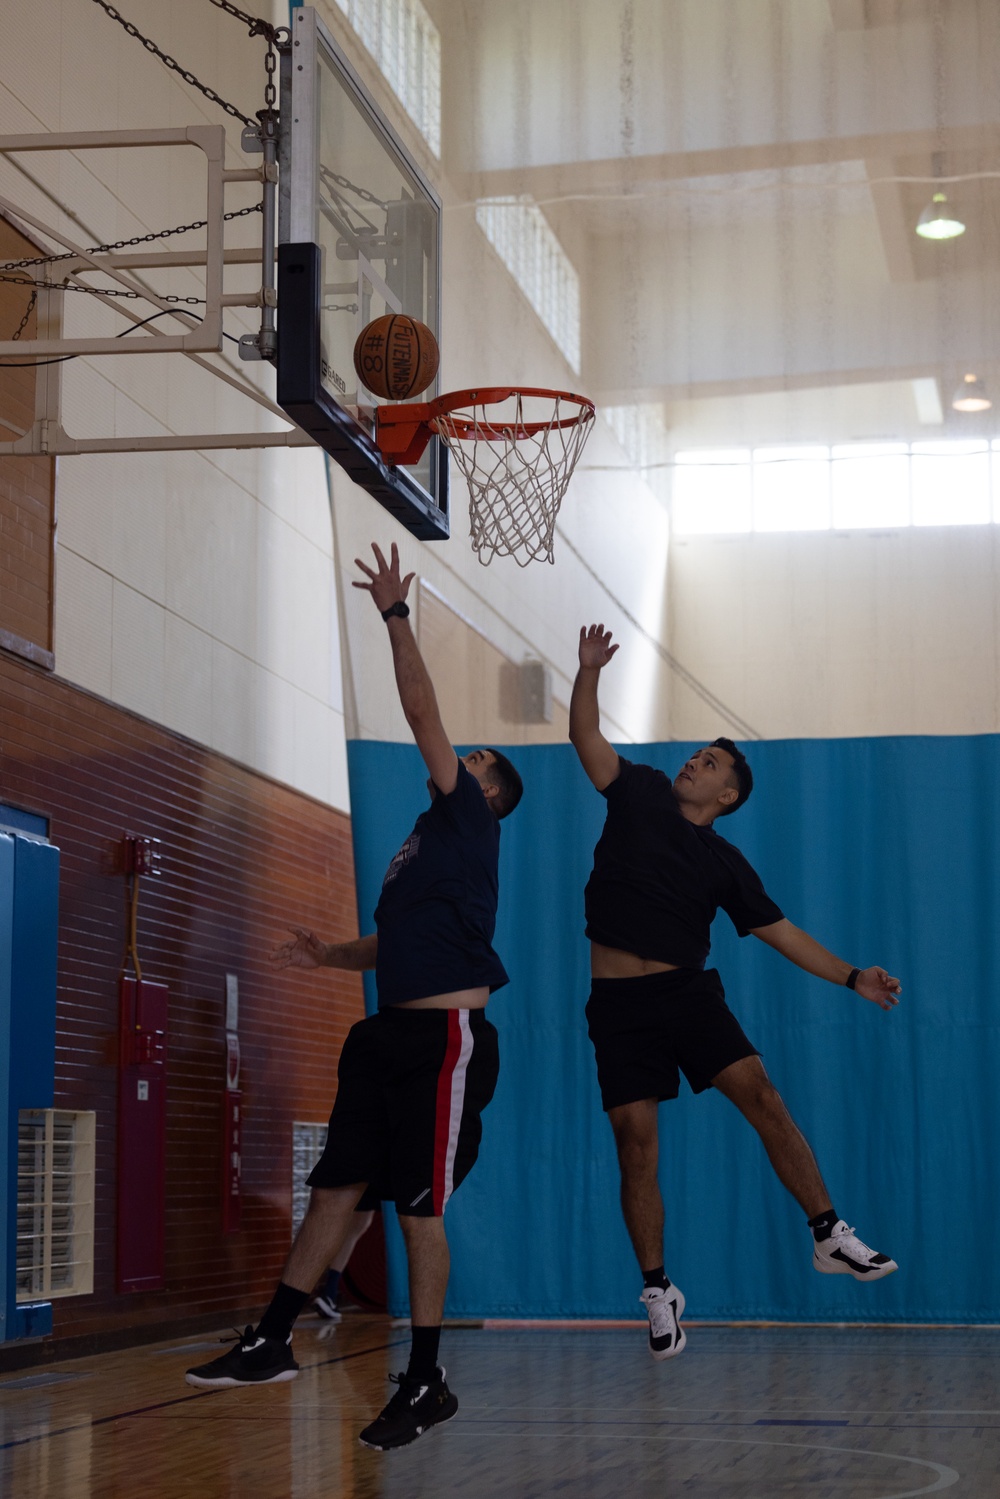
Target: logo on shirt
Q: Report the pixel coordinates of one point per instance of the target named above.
(405, 856)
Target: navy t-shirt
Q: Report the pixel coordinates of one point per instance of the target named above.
(658, 879)
(437, 912)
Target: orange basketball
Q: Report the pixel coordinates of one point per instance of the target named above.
(396, 357)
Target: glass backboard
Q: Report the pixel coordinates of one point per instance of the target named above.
(359, 236)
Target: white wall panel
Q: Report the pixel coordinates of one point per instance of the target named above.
(84, 623)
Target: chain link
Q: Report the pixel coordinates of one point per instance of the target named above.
(270, 64)
(274, 34)
(175, 66)
(125, 244)
(351, 187)
(27, 314)
(102, 291)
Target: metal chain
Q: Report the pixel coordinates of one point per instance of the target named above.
(175, 66)
(352, 187)
(103, 291)
(27, 314)
(274, 34)
(270, 64)
(125, 244)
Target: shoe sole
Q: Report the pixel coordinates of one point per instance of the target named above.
(227, 1382)
(659, 1354)
(421, 1431)
(837, 1267)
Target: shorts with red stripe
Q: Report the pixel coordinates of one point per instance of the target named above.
(411, 1086)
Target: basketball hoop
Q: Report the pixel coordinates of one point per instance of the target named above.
(517, 449)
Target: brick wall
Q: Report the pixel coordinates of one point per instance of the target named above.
(242, 858)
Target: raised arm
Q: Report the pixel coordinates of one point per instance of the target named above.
(416, 690)
(598, 757)
(305, 950)
(799, 948)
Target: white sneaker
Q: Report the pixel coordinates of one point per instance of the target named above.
(844, 1254)
(664, 1310)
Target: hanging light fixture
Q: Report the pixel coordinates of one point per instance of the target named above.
(938, 221)
(971, 395)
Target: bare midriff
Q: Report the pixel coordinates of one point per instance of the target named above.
(458, 999)
(613, 963)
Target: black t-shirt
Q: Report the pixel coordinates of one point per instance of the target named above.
(437, 911)
(658, 879)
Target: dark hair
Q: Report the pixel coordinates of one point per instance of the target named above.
(741, 771)
(507, 781)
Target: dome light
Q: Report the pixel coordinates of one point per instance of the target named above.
(938, 221)
(971, 395)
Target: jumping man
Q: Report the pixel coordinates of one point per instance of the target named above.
(414, 1077)
(660, 873)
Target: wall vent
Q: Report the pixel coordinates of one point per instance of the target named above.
(55, 1204)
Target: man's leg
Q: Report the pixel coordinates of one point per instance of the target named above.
(423, 1398)
(748, 1086)
(836, 1249)
(636, 1133)
(637, 1140)
(264, 1355)
(326, 1301)
(429, 1262)
(324, 1229)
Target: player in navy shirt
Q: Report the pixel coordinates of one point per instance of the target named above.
(415, 1077)
(660, 874)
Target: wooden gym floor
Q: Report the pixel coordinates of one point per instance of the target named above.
(743, 1413)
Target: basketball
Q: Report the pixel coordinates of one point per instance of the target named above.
(396, 357)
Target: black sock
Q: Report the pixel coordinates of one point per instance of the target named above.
(278, 1320)
(332, 1288)
(656, 1278)
(423, 1363)
(822, 1226)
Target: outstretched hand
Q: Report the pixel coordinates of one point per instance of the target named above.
(878, 986)
(386, 587)
(595, 646)
(302, 950)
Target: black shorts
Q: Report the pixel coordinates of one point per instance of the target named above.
(412, 1085)
(648, 1030)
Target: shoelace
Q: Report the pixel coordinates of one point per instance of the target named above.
(848, 1240)
(661, 1316)
(409, 1390)
(246, 1339)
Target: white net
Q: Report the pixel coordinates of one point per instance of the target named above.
(517, 456)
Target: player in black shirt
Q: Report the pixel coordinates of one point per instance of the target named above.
(660, 874)
(413, 1078)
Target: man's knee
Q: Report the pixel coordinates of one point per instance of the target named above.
(636, 1138)
(424, 1230)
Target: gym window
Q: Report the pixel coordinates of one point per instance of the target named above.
(406, 44)
(523, 238)
(851, 486)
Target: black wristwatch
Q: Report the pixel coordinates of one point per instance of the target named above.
(398, 609)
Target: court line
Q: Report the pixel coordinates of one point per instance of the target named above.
(145, 1410)
(946, 1477)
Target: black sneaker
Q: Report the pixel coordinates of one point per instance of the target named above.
(412, 1409)
(254, 1360)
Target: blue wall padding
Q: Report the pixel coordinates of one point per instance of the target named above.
(886, 851)
(29, 911)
